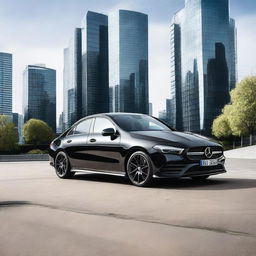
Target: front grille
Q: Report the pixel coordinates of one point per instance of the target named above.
(197, 153)
(206, 170)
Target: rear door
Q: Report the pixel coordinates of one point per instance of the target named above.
(76, 143)
(104, 151)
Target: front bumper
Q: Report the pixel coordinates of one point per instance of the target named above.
(186, 168)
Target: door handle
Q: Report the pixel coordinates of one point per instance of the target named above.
(69, 141)
(92, 140)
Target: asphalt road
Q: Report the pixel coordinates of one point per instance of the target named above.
(105, 215)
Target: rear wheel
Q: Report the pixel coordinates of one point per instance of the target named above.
(200, 178)
(62, 166)
(139, 169)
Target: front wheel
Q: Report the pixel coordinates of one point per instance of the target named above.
(139, 169)
(62, 166)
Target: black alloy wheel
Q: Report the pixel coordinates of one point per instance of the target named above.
(139, 169)
(62, 166)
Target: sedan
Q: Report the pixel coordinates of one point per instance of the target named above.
(137, 146)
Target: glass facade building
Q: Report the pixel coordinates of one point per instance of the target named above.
(72, 80)
(39, 94)
(18, 123)
(128, 61)
(95, 81)
(203, 64)
(6, 84)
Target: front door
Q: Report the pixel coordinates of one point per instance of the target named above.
(104, 151)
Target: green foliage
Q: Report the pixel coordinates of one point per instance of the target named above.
(239, 117)
(37, 151)
(37, 132)
(8, 135)
(221, 127)
(243, 114)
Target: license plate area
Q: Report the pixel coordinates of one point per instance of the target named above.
(210, 162)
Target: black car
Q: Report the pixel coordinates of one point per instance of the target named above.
(134, 145)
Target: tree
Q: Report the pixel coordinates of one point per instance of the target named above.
(242, 117)
(37, 132)
(221, 127)
(8, 135)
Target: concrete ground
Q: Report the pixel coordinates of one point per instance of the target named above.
(41, 214)
(242, 153)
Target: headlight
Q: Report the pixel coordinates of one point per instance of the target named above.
(169, 149)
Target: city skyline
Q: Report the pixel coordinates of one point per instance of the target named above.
(159, 63)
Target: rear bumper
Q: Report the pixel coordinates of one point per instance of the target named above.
(182, 169)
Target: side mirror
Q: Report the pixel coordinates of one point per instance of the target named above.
(108, 132)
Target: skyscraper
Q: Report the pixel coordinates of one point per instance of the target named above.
(18, 123)
(128, 61)
(39, 94)
(95, 84)
(72, 80)
(203, 63)
(6, 84)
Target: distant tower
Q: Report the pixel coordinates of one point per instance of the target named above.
(6, 84)
(128, 61)
(39, 94)
(203, 64)
(72, 80)
(95, 85)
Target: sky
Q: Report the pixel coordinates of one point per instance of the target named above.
(37, 31)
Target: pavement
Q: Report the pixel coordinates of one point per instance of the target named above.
(242, 153)
(91, 214)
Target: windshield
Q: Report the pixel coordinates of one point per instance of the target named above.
(139, 123)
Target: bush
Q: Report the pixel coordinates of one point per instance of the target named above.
(8, 135)
(37, 132)
(37, 151)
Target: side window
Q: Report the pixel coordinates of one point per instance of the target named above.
(101, 124)
(83, 127)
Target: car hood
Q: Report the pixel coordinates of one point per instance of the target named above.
(184, 139)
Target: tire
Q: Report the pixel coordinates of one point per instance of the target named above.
(139, 169)
(200, 178)
(62, 166)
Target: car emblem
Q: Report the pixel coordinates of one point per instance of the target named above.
(208, 152)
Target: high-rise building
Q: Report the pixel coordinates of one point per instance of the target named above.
(203, 63)
(72, 80)
(95, 82)
(39, 94)
(18, 123)
(6, 84)
(128, 61)
(60, 127)
(150, 108)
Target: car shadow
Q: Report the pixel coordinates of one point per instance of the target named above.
(213, 183)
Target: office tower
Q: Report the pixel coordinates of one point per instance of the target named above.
(72, 80)
(128, 61)
(6, 84)
(18, 123)
(150, 108)
(203, 63)
(60, 128)
(162, 115)
(39, 94)
(95, 84)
